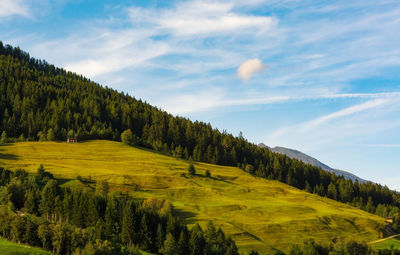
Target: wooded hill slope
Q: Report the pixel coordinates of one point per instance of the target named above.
(41, 102)
(257, 213)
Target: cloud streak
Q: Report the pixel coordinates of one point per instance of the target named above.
(13, 8)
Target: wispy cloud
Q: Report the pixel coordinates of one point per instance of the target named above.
(10, 8)
(194, 18)
(362, 119)
(383, 145)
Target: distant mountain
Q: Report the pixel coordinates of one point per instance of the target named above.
(312, 161)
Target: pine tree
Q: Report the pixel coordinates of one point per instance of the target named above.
(128, 224)
(4, 138)
(45, 235)
(50, 135)
(49, 194)
(102, 188)
(169, 245)
(191, 170)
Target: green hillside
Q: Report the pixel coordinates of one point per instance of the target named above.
(386, 243)
(10, 248)
(256, 212)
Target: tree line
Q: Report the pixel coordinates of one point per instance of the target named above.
(41, 102)
(37, 210)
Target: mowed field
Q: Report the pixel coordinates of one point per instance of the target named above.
(258, 213)
(10, 248)
(387, 243)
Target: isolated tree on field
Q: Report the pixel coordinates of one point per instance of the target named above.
(191, 170)
(208, 174)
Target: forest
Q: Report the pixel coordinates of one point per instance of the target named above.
(41, 102)
(37, 210)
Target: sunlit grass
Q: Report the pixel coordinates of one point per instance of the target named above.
(10, 248)
(258, 213)
(389, 243)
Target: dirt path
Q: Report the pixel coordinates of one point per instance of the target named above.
(383, 239)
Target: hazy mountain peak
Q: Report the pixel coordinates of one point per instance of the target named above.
(291, 153)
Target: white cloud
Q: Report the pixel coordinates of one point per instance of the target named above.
(384, 145)
(343, 113)
(248, 67)
(201, 18)
(13, 7)
(357, 121)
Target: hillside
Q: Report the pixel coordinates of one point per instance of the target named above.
(258, 213)
(39, 101)
(10, 248)
(295, 154)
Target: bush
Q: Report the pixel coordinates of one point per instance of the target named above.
(208, 174)
(129, 138)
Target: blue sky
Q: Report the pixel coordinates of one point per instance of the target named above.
(322, 77)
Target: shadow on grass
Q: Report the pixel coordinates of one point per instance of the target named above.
(7, 155)
(188, 217)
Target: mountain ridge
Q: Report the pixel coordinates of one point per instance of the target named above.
(296, 154)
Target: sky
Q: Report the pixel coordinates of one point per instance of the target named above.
(322, 77)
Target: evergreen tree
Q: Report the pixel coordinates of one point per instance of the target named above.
(4, 138)
(169, 245)
(49, 194)
(50, 135)
(102, 188)
(191, 170)
(128, 224)
(42, 136)
(45, 235)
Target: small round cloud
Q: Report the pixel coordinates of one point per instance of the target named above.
(248, 67)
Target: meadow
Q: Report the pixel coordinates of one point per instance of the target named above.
(386, 243)
(258, 213)
(10, 248)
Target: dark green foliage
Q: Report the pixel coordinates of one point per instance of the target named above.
(310, 247)
(191, 170)
(4, 138)
(208, 173)
(88, 222)
(102, 188)
(40, 101)
(129, 138)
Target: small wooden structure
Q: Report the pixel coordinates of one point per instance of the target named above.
(389, 219)
(72, 140)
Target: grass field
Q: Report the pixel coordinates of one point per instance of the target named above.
(387, 243)
(259, 214)
(10, 248)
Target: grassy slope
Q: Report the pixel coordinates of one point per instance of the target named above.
(10, 248)
(258, 213)
(387, 243)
